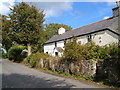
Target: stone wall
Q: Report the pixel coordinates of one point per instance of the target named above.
(78, 68)
(99, 70)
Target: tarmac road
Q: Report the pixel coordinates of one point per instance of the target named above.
(19, 76)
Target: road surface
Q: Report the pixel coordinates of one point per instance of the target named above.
(19, 76)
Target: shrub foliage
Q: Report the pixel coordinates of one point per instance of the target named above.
(14, 53)
(33, 59)
(76, 51)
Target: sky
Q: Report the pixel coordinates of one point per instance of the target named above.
(71, 13)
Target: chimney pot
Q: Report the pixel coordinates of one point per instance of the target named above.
(118, 3)
(61, 31)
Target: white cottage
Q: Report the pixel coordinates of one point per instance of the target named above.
(102, 33)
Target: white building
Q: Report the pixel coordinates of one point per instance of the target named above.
(102, 33)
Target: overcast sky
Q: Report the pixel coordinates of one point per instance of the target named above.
(74, 14)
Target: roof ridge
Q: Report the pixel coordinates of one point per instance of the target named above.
(90, 24)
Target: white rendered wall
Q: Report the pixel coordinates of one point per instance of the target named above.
(60, 44)
(105, 37)
(100, 38)
(96, 37)
(49, 48)
(82, 39)
(110, 38)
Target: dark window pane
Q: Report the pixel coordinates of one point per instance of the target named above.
(89, 38)
(56, 53)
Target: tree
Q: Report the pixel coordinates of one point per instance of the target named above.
(52, 29)
(27, 24)
(49, 30)
(38, 47)
(6, 33)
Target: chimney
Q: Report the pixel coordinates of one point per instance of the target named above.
(61, 31)
(116, 10)
(118, 5)
(116, 13)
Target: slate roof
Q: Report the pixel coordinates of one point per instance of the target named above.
(109, 24)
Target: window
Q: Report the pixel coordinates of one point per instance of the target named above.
(89, 38)
(99, 39)
(56, 53)
(55, 44)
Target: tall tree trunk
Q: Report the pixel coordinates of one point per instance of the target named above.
(29, 49)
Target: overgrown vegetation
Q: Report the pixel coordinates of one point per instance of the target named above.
(33, 59)
(74, 51)
(15, 53)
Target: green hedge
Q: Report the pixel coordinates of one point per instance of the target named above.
(14, 53)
